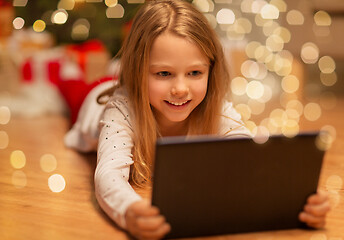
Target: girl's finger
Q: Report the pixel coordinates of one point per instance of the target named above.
(311, 220)
(318, 210)
(316, 225)
(150, 223)
(318, 198)
(156, 234)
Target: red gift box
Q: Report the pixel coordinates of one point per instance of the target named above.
(92, 57)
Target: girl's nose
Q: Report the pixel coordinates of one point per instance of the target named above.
(180, 87)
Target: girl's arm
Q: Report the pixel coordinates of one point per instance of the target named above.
(112, 189)
(231, 124)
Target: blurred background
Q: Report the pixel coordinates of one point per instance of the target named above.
(286, 58)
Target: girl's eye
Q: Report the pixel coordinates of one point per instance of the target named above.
(163, 74)
(195, 73)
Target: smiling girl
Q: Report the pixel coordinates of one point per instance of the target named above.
(173, 81)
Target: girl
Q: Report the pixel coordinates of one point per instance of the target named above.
(173, 81)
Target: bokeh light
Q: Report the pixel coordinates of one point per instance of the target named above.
(290, 84)
(312, 111)
(250, 69)
(81, 29)
(255, 89)
(295, 105)
(327, 64)
(246, 6)
(256, 107)
(334, 183)
(274, 43)
(5, 115)
(283, 33)
(328, 79)
(59, 16)
(263, 54)
(261, 21)
(326, 137)
(18, 159)
(309, 53)
(242, 26)
(19, 3)
(39, 26)
(260, 134)
(225, 16)
(48, 162)
(19, 179)
(257, 6)
(278, 117)
(290, 128)
(56, 183)
(111, 3)
(115, 12)
(280, 4)
(269, 11)
(269, 27)
(334, 198)
(18, 23)
(4, 139)
(322, 18)
(295, 17)
(251, 47)
(267, 95)
(238, 86)
(204, 5)
(66, 4)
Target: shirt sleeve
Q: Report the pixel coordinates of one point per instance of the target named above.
(231, 124)
(114, 157)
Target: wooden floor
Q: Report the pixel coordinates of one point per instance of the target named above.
(30, 210)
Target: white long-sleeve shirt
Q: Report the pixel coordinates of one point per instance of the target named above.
(112, 189)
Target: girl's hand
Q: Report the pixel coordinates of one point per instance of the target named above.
(145, 222)
(315, 210)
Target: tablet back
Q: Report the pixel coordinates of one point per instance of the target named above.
(213, 186)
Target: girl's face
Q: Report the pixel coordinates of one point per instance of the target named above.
(177, 80)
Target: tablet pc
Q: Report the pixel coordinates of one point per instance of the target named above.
(212, 186)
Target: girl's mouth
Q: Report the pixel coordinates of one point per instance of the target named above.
(178, 104)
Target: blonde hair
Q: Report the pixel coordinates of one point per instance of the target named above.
(182, 19)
